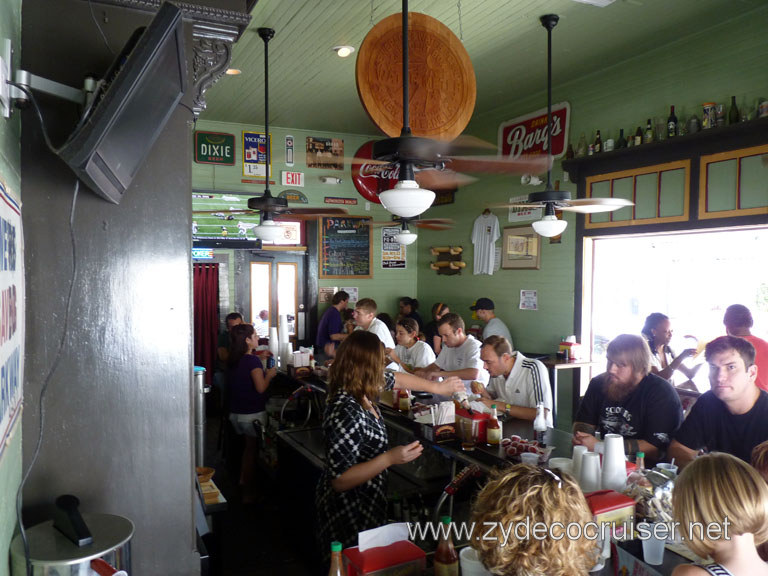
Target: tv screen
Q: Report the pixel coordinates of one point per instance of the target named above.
(141, 91)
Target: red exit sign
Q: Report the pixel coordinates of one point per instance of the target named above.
(292, 178)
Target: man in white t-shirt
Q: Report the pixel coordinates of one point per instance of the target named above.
(517, 383)
(364, 316)
(484, 308)
(460, 355)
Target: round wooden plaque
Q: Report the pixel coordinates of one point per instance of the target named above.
(442, 86)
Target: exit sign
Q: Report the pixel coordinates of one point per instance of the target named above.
(292, 178)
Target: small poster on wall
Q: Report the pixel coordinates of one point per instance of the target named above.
(353, 294)
(529, 300)
(327, 153)
(393, 254)
(326, 294)
(255, 154)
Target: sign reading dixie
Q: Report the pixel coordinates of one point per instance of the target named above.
(215, 148)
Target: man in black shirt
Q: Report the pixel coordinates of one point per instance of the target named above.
(733, 416)
(629, 400)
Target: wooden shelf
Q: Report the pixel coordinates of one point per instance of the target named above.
(710, 141)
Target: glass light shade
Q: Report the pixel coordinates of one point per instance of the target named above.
(406, 237)
(406, 199)
(268, 231)
(549, 226)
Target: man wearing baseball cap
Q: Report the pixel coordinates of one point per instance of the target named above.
(484, 309)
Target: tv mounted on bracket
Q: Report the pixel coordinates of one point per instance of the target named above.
(141, 90)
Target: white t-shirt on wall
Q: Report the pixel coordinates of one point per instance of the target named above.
(465, 356)
(485, 232)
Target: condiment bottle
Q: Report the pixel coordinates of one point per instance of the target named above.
(540, 423)
(403, 400)
(336, 563)
(446, 558)
(493, 430)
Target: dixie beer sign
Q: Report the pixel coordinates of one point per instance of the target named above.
(215, 148)
(527, 135)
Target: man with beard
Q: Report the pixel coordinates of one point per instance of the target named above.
(733, 416)
(629, 400)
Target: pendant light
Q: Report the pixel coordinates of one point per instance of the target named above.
(406, 199)
(405, 236)
(268, 230)
(549, 225)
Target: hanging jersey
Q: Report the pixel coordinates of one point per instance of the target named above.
(485, 232)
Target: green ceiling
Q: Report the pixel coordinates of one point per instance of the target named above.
(312, 88)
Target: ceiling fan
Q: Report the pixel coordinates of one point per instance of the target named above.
(405, 236)
(432, 157)
(274, 209)
(551, 199)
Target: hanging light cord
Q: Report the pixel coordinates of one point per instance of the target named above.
(461, 30)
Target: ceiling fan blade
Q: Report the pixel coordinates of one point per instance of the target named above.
(316, 211)
(466, 142)
(499, 165)
(594, 205)
(517, 205)
(433, 224)
(227, 212)
(442, 179)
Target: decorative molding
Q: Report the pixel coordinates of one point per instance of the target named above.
(191, 11)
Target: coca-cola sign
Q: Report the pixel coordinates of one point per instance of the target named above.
(371, 178)
(527, 135)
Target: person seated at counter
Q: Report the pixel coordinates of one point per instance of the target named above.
(732, 417)
(408, 309)
(738, 322)
(330, 330)
(364, 316)
(658, 331)
(629, 400)
(351, 493)
(715, 489)
(410, 353)
(222, 351)
(485, 310)
(431, 336)
(517, 384)
(247, 382)
(530, 494)
(460, 355)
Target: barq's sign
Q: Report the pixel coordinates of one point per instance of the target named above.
(527, 135)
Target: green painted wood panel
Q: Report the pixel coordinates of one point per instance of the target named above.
(672, 193)
(754, 181)
(601, 190)
(722, 186)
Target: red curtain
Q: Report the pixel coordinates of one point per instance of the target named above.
(206, 316)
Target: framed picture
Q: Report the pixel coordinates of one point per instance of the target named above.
(521, 248)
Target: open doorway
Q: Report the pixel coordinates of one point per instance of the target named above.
(692, 277)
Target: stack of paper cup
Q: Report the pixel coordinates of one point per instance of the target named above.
(614, 475)
(274, 346)
(590, 472)
(578, 453)
(283, 329)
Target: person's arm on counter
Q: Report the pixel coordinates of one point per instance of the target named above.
(433, 372)
(681, 453)
(403, 380)
(364, 471)
(584, 435)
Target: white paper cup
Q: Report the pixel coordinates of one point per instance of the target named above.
(590, 472)
(668, 469)
(470, 563)
(578, 453)
(529, 458)
(653, 548)
(563, 464)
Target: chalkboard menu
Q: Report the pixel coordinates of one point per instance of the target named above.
(345, 247)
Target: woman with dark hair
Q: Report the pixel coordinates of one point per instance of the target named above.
(247, 383)
(658, 332)
(408, 307)
(351, 493)
(410, 353)
(431, 337)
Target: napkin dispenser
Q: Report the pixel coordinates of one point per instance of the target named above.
(472, 426)
(609, 506)
(401, 558)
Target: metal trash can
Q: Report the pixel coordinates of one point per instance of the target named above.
(200, 390)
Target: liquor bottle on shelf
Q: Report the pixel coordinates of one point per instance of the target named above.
(638, 136)
(337, 567)
(493, 430)
(671, 123)
(733, 113)
(648, 136)
(581, 147)
(622, 143)
(598, 143)
(446, 559)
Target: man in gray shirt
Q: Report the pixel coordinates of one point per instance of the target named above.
(484, 308)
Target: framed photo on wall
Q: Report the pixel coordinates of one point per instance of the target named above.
(521, 248)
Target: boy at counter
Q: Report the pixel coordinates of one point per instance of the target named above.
(365, 319)
(517, 385)
(732, 417)
(629, 400)
(460, 355)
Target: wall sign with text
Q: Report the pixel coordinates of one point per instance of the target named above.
(215, 148)
(255, 154)
(527, 135)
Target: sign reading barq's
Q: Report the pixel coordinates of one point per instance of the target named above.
(527, 135)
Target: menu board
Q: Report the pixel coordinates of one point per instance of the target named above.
(345, 247)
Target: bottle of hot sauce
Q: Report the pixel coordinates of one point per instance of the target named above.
(493, 430)
(446, 558)
(337, 568)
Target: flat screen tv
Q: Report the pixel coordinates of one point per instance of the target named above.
(141, 90)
